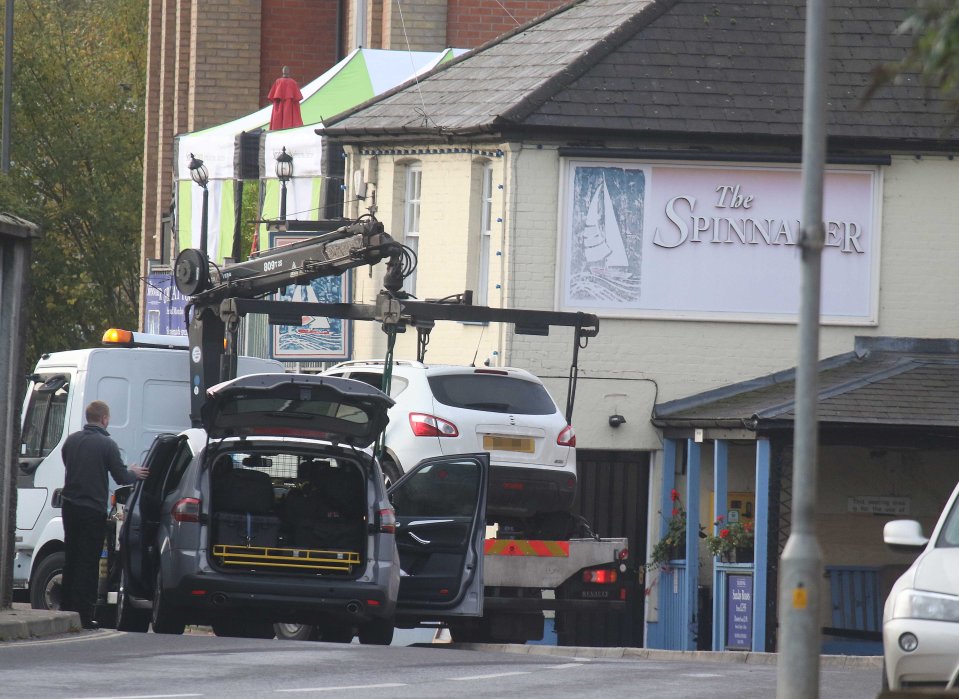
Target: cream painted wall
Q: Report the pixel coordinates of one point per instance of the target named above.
(634, 363)
(449, 230)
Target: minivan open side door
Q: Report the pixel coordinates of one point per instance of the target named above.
(440, 510)
(142, 516)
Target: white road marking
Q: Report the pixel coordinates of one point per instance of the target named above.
(488, 677)
(563, 667)
(701, 674)
(338, 689)
(147, 696)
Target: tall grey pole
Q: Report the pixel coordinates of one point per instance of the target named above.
(801, 566)
(7, 89)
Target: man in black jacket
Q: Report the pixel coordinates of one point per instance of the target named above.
(88, 456)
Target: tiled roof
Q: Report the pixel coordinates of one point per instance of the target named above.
(720, 69)
(886, 382)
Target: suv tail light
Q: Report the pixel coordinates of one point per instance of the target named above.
(431, 426)
(387, 521)
(567, 438)
(186, 510)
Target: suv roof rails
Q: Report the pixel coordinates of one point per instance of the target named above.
(377, 362)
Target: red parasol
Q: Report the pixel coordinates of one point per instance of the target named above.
(285, 96)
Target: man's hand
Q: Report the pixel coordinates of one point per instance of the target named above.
(140, 472)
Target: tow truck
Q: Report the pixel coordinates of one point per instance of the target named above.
(522, 577)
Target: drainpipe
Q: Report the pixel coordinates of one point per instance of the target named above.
(507, 246)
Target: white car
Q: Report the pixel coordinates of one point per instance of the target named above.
(920, 622)
(444, 409)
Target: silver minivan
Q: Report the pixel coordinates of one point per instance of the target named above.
(276, 512)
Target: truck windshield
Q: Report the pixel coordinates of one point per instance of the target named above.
(45, 416)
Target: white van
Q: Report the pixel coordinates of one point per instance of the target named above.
(145, 379)
(920, 626)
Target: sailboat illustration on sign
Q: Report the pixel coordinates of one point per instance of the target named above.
(602, 237)
(312, 325)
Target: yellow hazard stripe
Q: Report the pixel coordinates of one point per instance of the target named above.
(526, 547)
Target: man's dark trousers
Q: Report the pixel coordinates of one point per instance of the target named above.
(83, 532)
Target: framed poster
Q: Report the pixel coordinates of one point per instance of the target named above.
(164, 306)
(739, 612)
(710, 241)
(317, 339)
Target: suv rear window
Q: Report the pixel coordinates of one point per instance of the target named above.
(492, 393)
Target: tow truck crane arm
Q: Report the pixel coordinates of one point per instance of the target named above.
(218, 301)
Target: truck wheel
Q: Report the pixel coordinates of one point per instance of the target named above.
(377, 633)
(243, 629)
(164, 619)
(296, 632)
(46, 583)
(336, 633)
(129, 618)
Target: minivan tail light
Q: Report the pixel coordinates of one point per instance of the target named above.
(424, 425)
(186, 510)
(567, 438)
(387, 521)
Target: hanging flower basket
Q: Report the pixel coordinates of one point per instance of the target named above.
(732, 541)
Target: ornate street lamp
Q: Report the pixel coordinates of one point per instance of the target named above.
(200, 175)
(284, 172)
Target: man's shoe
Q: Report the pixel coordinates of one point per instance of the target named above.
(89, 624)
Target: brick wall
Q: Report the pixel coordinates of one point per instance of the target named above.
(224, 61)
(419, 26)
(474, 22)
(300, 34)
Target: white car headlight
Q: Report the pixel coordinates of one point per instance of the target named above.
(916, 604)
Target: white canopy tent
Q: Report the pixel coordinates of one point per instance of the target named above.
(245, 149)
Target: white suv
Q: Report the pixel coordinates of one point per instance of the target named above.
(445, 409)
(920, 629)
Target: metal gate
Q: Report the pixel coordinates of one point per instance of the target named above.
(612, 494)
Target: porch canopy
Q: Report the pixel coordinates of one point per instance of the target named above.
(887, 386)
(888, 392)
(245, 148)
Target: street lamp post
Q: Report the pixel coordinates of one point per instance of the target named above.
(200, 175)
(284, 172)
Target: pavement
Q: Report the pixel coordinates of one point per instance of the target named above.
(23, 623)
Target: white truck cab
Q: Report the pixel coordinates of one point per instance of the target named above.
(145, 381)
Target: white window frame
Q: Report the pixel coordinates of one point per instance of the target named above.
(485, 237)
(411, 217)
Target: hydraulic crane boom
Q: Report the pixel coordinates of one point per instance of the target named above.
(218, 301)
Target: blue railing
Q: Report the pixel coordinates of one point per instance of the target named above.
(673, 605)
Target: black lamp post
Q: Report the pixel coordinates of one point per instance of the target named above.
(201, 176)
(284, 172)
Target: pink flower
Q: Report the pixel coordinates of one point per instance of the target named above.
(675, 511)
(674, 495)
(720, 518)
(723, 533)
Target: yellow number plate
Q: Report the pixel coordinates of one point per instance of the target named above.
(498, 443)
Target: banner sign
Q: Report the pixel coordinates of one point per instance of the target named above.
(739, 612)
(713, 242)
(164, 306)
(318, 339)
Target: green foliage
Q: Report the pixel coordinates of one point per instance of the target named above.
(672, 545)
(934, 56)
(76, 163)
(729, 536)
